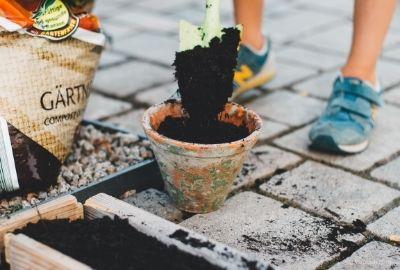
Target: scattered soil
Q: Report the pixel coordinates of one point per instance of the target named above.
(94, 155)
(212, 132)
(186, 239)
(313, 237)
(111, 244)
(205, 77)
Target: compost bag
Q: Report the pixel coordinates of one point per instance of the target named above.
(49, 51)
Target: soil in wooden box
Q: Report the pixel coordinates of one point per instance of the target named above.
(111, 244)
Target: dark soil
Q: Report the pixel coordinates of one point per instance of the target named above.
(111, 244)
(211, 132)
(205, 79)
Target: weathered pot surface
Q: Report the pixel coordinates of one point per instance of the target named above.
(198, 177)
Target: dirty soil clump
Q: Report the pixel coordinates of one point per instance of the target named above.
(111, 244)
(205, 76)
(211, 132)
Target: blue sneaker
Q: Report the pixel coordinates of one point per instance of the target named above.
(253, 70)
(347, 123)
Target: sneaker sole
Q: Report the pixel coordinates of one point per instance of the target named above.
(267, 74)
(355, 148)
(327, 144)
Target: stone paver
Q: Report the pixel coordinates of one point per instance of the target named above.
(284, 236)
(158, 94)
(387, 226)
(389, 173)
(117, 30)
(149, 46)
(271, 129)
(157, 203)
(281, 29)
(126, 79)
(393, 96)
(374, 255)
(337, 39)
(165, 6)
(288, 108)
(110, 58)
(318, 86)
(99, 107)
(384, 143)
(309, 58)
(146, 21)
(262, 162)
(131, 121)
(321, 85)
(331, 192)
(289, 73)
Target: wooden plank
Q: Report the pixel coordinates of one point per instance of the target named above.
(23, 252)
(65, 207)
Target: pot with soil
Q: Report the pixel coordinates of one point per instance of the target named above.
(201, 142)
(198, 177)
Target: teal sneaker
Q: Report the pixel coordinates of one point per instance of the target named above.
(253, 70)
(347, 123)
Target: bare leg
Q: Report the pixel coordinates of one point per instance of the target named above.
(249, 13)
(371, 22)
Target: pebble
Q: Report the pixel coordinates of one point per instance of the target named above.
(94, 155)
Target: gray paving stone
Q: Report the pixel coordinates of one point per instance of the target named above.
(117, 30)
(338, 38)
(392, 53)
(288, 108)
(289, 74)
(157, 203)
(165, 6)
(158, 94)
(309, 58)
(319, 86)
(146, 21)
(331, 192)
(389, 173)
(335, 7)
(298, 24)
(110, 58)
(374, 255)
(387, 226)
(148, 46)
(271, 129)
(262, 162)
(393, 96)
(388, 73)
(285, 236)
(126, 79)
(384, 143)
(100, 107)
(131, 121)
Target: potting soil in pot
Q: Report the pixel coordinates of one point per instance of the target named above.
(111, 244)
(95, 154)
(204, 71)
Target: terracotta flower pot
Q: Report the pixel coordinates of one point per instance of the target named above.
(198, 177)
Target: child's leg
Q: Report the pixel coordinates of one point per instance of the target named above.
(371, 22)
(249, 13)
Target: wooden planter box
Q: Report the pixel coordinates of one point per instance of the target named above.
(23, 252)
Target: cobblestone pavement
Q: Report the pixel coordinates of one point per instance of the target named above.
(288, 201)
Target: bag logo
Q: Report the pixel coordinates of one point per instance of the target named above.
(53, 20)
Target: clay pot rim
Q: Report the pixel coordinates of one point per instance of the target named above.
(154, 135)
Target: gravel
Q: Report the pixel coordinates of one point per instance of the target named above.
(94, 155)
